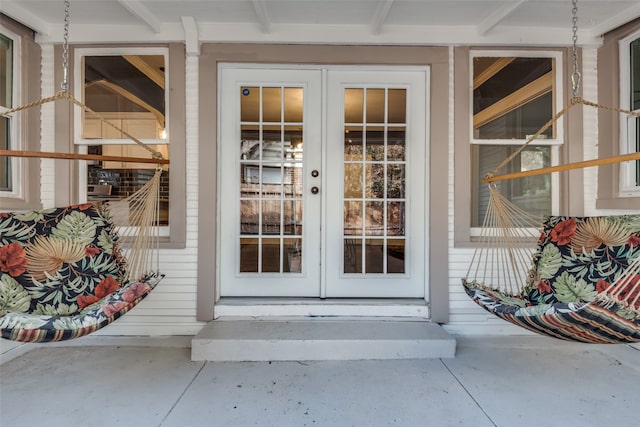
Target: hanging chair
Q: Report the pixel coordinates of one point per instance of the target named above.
(66, 272)
(581, 281)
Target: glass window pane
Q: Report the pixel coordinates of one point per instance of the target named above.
(249, 216)
(512, 97)
(270, 255)
(634, 48)
(128, 90)
(352, 255)
(352, 181)
(395, 218)
(5, 161)
(293, 254)
(353, 218)
(271, 104)
(532, 194)
(293, 104)
(293, 217)
(250, 104)
(6, 73)
(375, 181)
(375, 105)
(374, 217)
(375, 143)
(271, 217)
(395, 182)
(396, 140)
(353, 105)
(249, 255)
(374, 255)
(395, 256)
(353, 143)
(397, 106)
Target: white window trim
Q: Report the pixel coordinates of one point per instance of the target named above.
(559, 103)
(627, 123)
(16, 118)
(83, 143)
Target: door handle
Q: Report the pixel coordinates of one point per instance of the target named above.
(315, 190)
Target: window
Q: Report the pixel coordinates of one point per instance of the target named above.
(618, 84)
(20, 79)
(630, 100)
(127, 88)
(142, 91)
(513, 95)
(9, 136)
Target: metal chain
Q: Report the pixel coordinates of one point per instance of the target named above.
(65, 50)
(575, 74)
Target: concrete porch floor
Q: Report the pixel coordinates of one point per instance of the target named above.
(492, 381)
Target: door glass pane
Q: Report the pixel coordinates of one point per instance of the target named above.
(374, 183)
(271, 164)
(6, 95)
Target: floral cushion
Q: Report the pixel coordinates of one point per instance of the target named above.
(579, 257)
(57, 262)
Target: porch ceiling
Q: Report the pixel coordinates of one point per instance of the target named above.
(530, 22)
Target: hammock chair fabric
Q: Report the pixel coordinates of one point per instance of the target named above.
(583, 282)
(63, 274)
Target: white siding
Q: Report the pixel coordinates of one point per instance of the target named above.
(47, 141)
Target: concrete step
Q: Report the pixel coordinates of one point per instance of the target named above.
(320, 339)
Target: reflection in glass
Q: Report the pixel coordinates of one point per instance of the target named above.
(375, 255)
(353, 218)
(353, 105)
(270, 255)
(352, 255)
(395, 218)
(395, 255)
(532, 194)
(293, 104)
(271, 217)
(353, 143)
(271, 189)
(293, 217)
(271, 104)
(375, 143)
(396, 143)
(375, 180)
(293, 254)
(395, 181)
(250, 104)
(249, 255)
(352, 181)
(375, 105)
(374, 219)
(249, 216)
(397, 105)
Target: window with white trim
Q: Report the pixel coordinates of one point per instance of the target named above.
(10, 185)
(127, 87)
(514, 93)
(629, 48)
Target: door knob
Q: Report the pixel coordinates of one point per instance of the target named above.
(315, 190)
(315, 173)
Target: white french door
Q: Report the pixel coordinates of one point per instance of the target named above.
(322, 182)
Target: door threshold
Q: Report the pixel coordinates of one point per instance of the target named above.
(322, 308)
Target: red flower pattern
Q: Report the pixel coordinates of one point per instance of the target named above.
(564, 231)
(111, 309)
(633, 241)
(544, 287)
(91, 251)
(13, 259)
(135, 291)
(602, 285)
